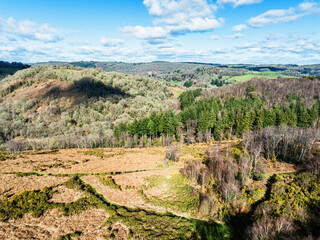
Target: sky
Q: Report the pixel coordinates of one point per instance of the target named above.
(211, 31)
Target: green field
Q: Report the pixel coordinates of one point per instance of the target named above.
(248, 76)
(175, 83)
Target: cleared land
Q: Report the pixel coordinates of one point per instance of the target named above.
(176, 91)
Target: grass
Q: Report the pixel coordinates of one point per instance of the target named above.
(175, 82)
(177, 194)
(109, 181)
(5, 156)
(179, 91)
(248, 76)
(98, 152)
(144, 225)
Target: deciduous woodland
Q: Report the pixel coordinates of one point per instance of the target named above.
(240, 161)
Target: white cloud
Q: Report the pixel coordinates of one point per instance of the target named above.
(240, 27)
(111, 42)
(237, 3)
(145, 32)
(274, 16)
(284, 15)
(214, 37)
(274, 48)
(310, 7)
(237, 35)
(195, 25)
(30, 30)
(176, 17)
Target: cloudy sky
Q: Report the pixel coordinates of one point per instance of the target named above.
(215, 31)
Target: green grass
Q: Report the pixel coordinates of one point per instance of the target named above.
(179, 91)
(248, 76)
(109, 181)
(175, 82)
(144, 225)
(177, 195)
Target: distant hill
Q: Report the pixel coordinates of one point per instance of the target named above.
(7, 68)
(145, 69)
(204, 75)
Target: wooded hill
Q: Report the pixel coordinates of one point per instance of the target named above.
(7, 68)
(46, 105)
(204, 75)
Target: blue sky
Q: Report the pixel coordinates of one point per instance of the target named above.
(215, 31)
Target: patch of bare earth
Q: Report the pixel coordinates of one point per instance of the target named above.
(11, 184)
(130, 183)
(51, 226)
(77, 161)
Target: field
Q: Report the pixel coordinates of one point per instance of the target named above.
(176, 91)
(248, 76)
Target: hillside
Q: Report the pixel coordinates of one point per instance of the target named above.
(73, 105)
(281, 90)
(145, 69)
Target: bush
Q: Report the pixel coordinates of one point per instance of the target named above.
(36, 202)
(173, 153)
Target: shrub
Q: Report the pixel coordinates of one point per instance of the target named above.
(173, 153)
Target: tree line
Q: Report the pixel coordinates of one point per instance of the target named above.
(202, 119)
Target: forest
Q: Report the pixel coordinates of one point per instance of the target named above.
(7, 68)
